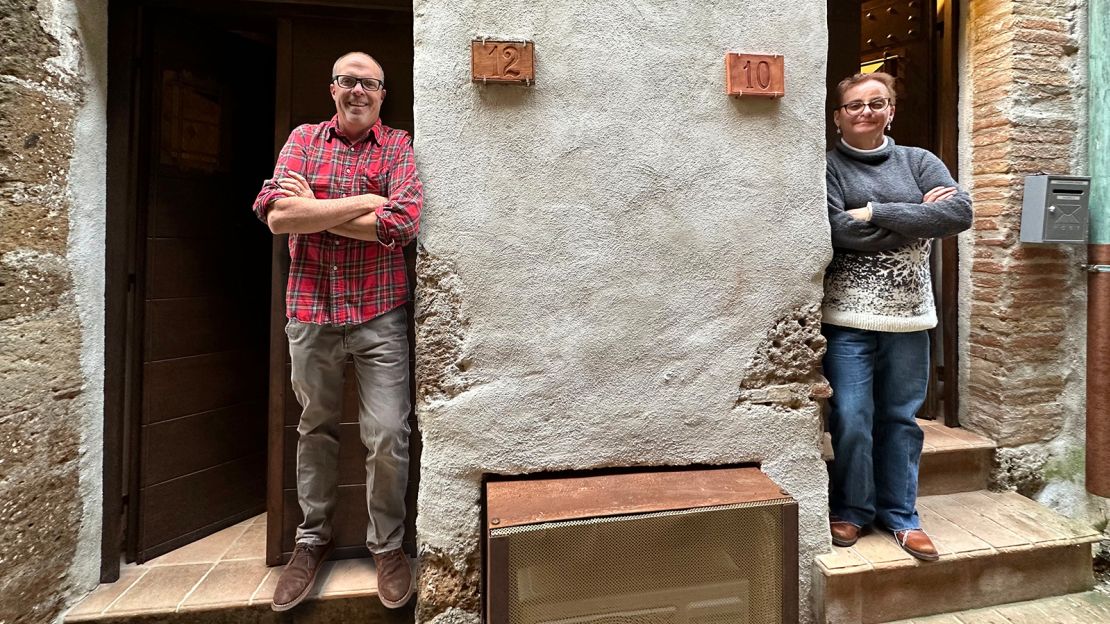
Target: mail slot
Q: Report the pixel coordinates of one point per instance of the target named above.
(1055, 209)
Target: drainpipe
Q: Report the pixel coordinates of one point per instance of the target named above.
(1098, 250)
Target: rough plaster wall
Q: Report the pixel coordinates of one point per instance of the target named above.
(51, 303)
(620, 265)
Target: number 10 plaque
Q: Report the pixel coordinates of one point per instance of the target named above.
(754, 74)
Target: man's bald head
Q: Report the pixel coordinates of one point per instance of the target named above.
(361, 56)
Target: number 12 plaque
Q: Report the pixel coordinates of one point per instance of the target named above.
(505, 62)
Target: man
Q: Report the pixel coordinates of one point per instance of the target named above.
(347, 193)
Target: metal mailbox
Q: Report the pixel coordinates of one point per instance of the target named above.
(1055, 209)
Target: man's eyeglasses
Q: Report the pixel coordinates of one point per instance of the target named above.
(349, 82)
(856, 106)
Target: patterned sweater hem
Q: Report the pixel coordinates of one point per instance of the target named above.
(875, 322)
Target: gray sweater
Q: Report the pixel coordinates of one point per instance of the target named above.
(879, 277)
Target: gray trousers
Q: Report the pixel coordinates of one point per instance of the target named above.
(380, 351)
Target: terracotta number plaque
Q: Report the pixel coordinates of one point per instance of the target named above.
(507, 62)
(754, 74)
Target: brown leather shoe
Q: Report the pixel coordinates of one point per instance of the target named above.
(299, 575)
(843, 533)
(395, 586)
(917, 543)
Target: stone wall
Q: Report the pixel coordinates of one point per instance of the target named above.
(49, 311)
(1025, 366)
(621, 266)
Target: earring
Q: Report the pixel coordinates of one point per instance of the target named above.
(838, 129)
(889, 124)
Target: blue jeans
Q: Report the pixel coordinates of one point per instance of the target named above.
(879, 380)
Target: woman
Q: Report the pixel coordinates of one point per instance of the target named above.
(886, 204)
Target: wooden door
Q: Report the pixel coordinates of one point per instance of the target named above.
(202, 288)
(307, 47)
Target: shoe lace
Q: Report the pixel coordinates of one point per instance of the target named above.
(904, 536)
(303, 549)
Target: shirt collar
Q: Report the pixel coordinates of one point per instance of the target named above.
(332, 127)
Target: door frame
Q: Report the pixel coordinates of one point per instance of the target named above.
(128, 132)
(948, 136)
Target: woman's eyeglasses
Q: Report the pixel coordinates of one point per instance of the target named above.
(349, 82)
(856, 106)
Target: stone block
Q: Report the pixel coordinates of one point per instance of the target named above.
(27, 45)
(36, 136)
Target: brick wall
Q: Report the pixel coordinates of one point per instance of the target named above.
(1024, 316)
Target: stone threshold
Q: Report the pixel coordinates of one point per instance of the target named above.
(224, 572)
(963, 525)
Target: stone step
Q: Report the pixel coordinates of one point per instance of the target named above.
(996, 548)
(1085, 608)
(952, 459)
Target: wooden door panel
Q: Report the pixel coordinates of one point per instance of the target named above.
(203, 290)
(193, 443)
(183, 509)
(180, 328)
(184, 386)
(188, 205)
(190, 267)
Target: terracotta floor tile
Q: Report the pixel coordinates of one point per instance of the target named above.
(162, 588)
(350, 576)
(265, 592)
(250, 545)
(204, 550)
(106, 593)
(229, 583)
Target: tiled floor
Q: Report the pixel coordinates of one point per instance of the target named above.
(226, 569)
(1085, 608)
(963, 525)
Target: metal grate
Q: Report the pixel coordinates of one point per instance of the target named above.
(700, 566)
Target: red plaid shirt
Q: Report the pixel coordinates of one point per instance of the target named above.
(333, 279)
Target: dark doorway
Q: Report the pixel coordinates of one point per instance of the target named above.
(195, 438)
(199, 417)
(916, 41)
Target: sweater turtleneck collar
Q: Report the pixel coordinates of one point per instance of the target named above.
(873, 156)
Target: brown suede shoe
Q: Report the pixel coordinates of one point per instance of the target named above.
(917, 543)
(843, 533)
(395, 586)
(299, 575)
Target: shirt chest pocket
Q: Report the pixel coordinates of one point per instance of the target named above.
(374, 179)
